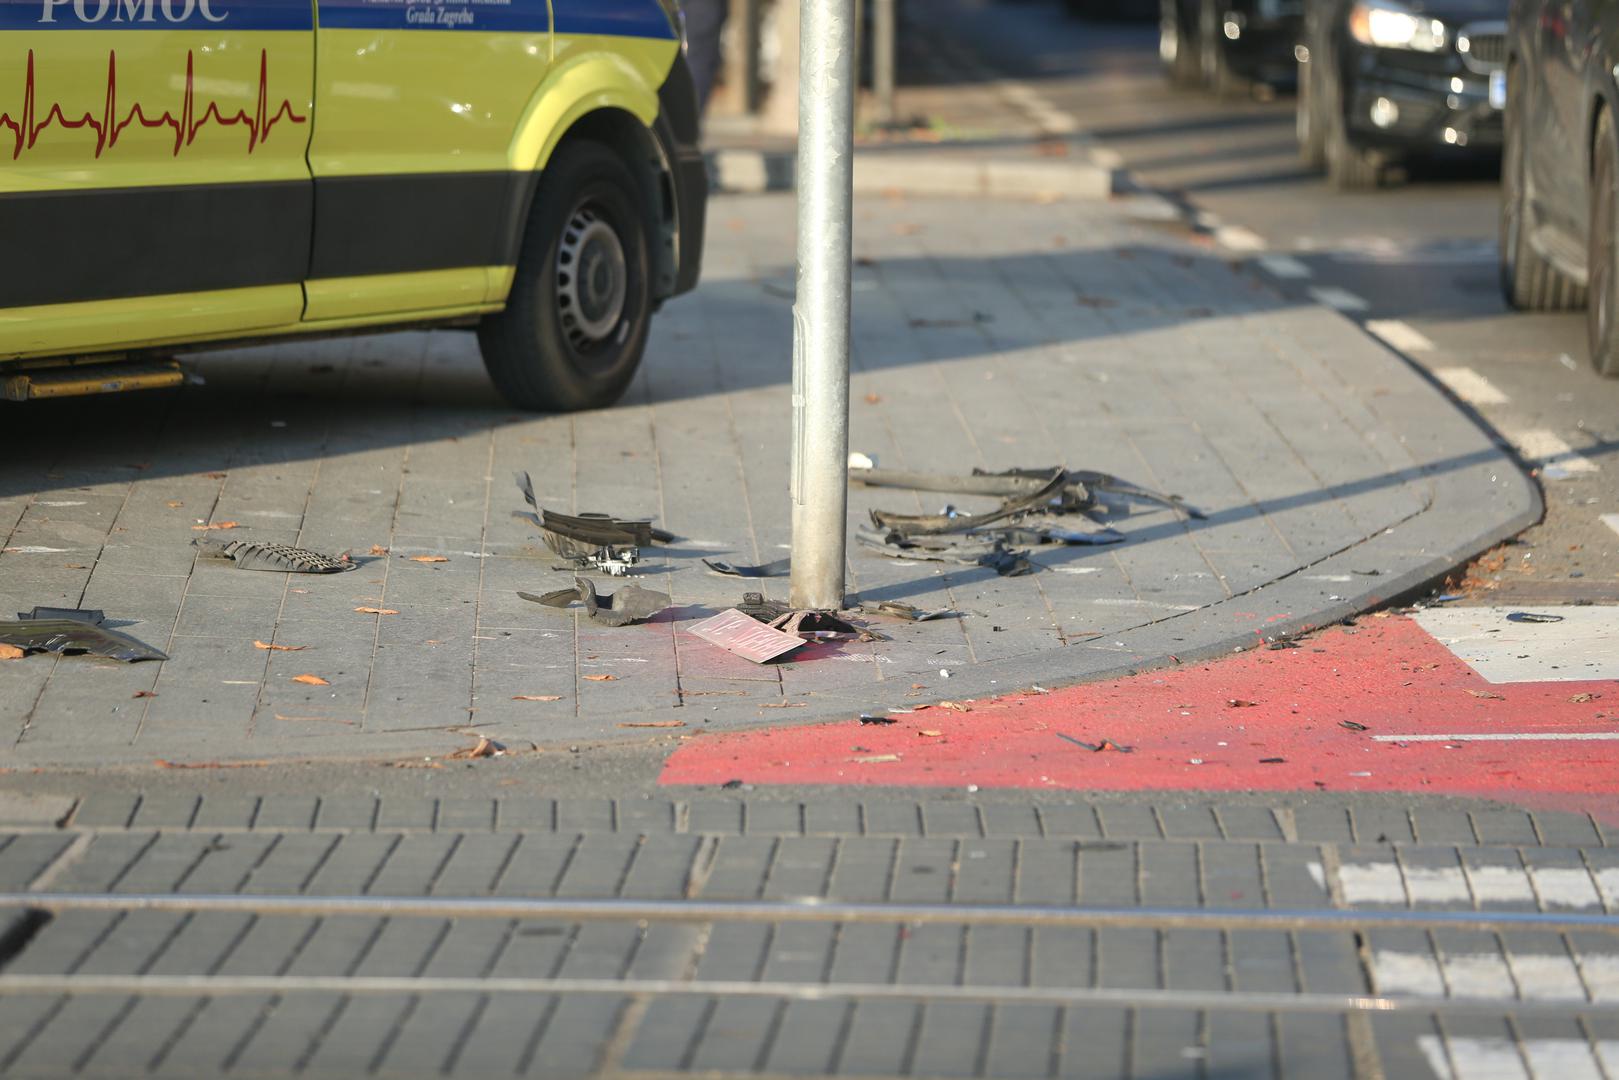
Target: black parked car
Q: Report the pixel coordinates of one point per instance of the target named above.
(1228, 44)
(1560, 166)
(1380, 81)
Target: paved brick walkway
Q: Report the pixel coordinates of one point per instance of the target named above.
(986, 334)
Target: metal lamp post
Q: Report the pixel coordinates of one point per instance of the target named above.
(820, 485)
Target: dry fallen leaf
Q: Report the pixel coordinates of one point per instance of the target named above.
(11, 652)
(378, 549)
(873, 399)
(538, 697)
(174, 504)
(428, 558)
(1239, 703)
(217, 525)
(145, 693)
(278, 648)
(653, 723)
(955, 706)
(929, 733)
(875, 759)
(600, 678)
(310, 680)
(483, 748)
(376, 611)
(1490, 694)
(1581, 699)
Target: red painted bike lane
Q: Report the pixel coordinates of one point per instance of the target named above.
(1381, 706)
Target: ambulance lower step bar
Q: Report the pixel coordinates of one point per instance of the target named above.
(76, 380)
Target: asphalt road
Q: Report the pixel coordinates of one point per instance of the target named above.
(1415, 262)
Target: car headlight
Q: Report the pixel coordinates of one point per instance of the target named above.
(1388, 26)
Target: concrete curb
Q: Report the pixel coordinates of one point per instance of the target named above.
(922, 172)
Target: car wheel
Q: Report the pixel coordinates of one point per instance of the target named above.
(575, 325)
(1176, 48)
(1307, 121)
(1528, 281)
(1216, 66)
(1602, 312)
(1349, 167)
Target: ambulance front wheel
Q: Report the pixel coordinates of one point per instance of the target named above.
(575, 325)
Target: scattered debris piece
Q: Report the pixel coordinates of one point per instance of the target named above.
(1532, 617)
(217, 525)
(1273, 761)
(484, 747)
(1278, 645)
(267, 647)
(631, 604)
(1352, 725)
(813, 623)
(1581, 699)
(875, 759)
(310, 680)
(956, 706)
(376, 611)
(778, 568)
(428, 558)
(70, 631)
(537, 697)
(929, 733)
(736, 633)
(144, 693)
(944, 673)
(280, 558)
(731, 785)
(653, 723)
(1050, 490)
(590, 541)
(1488, 694)
(857, 460)
(1240, 703)
(1097, 747)
(600, 678)
(881, 721)
(908, 612)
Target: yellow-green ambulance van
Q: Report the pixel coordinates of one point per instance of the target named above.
(181, 172)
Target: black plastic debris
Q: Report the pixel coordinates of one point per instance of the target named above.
(71, 632)
(1352, 725)
(1096, 747)
(882, 721)
(631, 604)
(778, 568)
(277, 558)
(754, 605)
(899, 610)
(590, 541)
(1052, 490)
(1532, 617)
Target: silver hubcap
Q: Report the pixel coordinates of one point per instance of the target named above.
(592, 279)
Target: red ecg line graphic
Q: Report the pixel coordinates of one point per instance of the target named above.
(108, 127)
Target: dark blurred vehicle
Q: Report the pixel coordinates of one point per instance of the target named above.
(1227, 45)
(1112, 9)
(1560, 165)
(1381, 81)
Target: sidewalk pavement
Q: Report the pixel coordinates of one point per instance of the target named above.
(986, 333)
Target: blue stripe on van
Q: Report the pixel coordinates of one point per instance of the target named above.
(156, 14)
(628, 18)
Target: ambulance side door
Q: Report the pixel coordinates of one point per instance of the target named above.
(153, 175)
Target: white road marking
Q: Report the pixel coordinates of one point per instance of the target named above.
(1546, 978)
(1285, 266)
(1600, 971)
(1407, 973)
(1437, 885)
(1611, 521)
(1561, 1059)
(34, 549)
(1470, 386)
(1400, 335)
(1583, 646)
(1564, 887)
(1238, 238)
(1334, 297)
(1371, 883)
(1557, 459)
(1508, 736)
(1500, 885)
(1318, 874)
(1478, 975)
(1607, 879)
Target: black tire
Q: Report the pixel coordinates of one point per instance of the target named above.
(1602, 313)
(1307, 122)
(1349, 167)
(1528, 281)
(1176, 49)
(1216, 66)
(575, 325)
